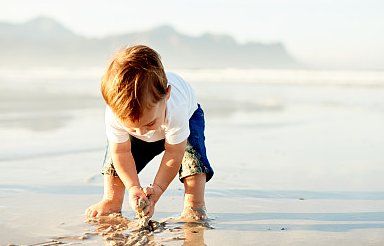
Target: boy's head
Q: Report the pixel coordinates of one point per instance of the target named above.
(134, 82)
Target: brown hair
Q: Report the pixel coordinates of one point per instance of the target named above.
(134, 80)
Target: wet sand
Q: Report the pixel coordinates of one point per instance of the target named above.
(295, 165)
(268, 221)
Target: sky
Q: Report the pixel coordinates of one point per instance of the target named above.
(336, 34)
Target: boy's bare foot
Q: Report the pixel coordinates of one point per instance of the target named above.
(113, 198)
(194, 205)
(104, 207)
(194, 213)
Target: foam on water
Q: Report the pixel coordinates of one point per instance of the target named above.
(285, 76)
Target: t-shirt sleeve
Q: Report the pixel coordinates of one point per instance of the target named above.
(115, 132)
(178, 126)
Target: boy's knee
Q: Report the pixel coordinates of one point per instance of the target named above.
(195, 179)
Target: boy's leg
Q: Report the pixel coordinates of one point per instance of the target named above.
(194, 203)
(112, 200)
(195, 169)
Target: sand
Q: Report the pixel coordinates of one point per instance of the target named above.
(267, 221)
(295, 165)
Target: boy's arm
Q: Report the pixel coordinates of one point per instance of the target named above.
(126, 169)
(169, 167)
(170, 164)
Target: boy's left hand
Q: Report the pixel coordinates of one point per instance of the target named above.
(136, 194)
(153, 193)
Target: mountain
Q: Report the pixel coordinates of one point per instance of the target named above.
(45, 42)
(40, 28)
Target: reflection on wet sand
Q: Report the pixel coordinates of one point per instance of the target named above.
(194, 233)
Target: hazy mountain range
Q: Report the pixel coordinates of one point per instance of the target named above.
(45, 42)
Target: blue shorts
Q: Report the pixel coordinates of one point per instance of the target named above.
(195, 159)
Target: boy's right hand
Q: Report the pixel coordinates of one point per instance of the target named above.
(153, 193)
(136, 193)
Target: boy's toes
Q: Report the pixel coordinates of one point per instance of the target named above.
(86, 212)
(191, 213)
(91, 213)
(94, 213)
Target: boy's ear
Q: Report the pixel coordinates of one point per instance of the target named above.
(168, 93)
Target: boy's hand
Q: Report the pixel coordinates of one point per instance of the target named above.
(135, 194)
(153, 193)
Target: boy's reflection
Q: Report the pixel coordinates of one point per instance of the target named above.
(194, 233)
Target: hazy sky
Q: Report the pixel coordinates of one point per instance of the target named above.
(332, 33)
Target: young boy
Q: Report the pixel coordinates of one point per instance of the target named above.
(148, 112)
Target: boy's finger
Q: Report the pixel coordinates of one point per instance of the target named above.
(151, 212)
(151, 199)
(135, 205)
(146, 210)
(149, 191)
(146, 190)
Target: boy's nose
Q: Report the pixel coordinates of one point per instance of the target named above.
(141, 131)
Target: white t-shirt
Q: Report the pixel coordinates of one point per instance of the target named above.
(179, 109)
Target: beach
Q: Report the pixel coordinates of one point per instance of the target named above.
(298, 159)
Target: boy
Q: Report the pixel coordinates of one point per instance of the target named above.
(148, 112)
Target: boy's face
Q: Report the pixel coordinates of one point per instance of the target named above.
(153, 117)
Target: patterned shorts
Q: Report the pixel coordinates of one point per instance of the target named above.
(195, 159)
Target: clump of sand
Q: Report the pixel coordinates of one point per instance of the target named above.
(118, 230)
